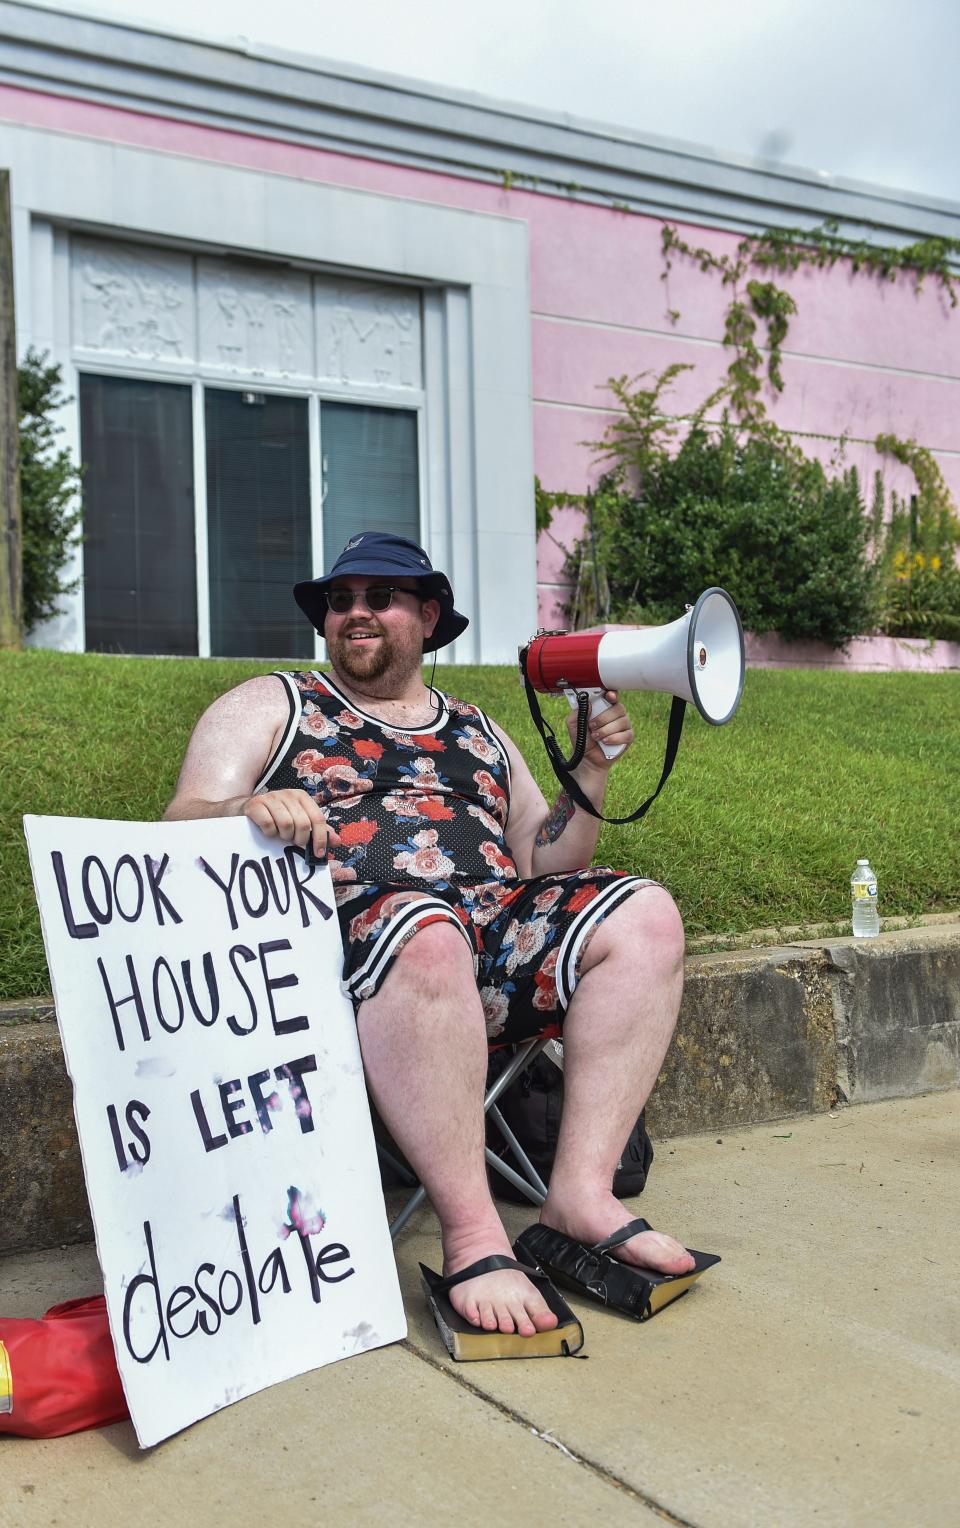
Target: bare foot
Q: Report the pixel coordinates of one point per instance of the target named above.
(504, 1301)
(605, 1215)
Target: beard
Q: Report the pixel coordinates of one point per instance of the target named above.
(365, 664)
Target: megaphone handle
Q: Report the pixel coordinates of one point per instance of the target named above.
(560, 769)
(598, 704)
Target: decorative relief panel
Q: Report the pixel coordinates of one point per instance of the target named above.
(367, 335)
(240, 318)
(132, 301)
(255, 321)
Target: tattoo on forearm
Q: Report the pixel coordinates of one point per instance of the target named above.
(555, 821)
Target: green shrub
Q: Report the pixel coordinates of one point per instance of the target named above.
(49, 484)
(922, 598)
(752, 515)
(915, 546)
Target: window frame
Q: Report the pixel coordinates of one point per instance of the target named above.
(198, 379)
(471, 267)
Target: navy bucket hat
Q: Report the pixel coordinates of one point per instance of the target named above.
(373, 554)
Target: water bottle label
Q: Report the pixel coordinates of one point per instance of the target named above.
(863, 890)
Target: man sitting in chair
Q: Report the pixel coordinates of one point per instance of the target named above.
(467, 907)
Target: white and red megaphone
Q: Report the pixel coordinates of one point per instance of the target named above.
(699, 657)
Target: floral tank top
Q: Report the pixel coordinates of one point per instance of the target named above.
(411, 807)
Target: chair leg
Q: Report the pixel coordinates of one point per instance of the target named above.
(534, 1187)
(403, 1172)
(527, 1052)
(534, 1179)
(519, 1183)
(413, 1203)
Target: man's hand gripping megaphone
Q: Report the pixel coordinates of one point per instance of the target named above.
(600, 702)
(699, 657)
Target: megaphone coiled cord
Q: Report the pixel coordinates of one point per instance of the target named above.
(580, 741)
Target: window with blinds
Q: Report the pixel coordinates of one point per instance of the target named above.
(140, 564)
(139, 557)
(371, 474)
(258, 522)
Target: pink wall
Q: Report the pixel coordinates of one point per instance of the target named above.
(863, 656)
(862, 356)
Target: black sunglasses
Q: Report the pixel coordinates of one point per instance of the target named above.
(377, 597)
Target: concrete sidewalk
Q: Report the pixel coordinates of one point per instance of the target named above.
(812, 1378)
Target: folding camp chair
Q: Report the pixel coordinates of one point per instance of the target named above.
(531, 1185)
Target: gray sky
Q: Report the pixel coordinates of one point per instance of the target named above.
(864, 89)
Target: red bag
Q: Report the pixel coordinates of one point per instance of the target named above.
(59, 1374)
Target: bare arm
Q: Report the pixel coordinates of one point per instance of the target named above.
(228, 752)
(562, 837)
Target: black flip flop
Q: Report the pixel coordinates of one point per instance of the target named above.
(636, 1292)
(466, 1341)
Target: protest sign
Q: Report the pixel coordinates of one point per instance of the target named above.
(219, 1097)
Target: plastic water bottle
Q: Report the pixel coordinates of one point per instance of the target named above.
(863, 890)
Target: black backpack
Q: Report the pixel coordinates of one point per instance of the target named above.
(532, 1106)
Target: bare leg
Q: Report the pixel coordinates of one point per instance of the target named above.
(424, 1046)
(617, 1030)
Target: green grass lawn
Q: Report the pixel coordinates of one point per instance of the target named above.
(760, 824)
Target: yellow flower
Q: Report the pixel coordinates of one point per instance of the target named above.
(935, 563)
(919, 560)
(899, 559)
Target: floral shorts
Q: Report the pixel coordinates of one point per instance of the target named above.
(527, 938)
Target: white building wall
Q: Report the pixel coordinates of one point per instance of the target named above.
(140, 262)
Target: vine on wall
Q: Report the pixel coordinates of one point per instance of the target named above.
(899, 561)
(785, 250)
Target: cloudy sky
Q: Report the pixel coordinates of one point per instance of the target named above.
(864, 89)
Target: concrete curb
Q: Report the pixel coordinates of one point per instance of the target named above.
(763, 1034)
(797, 1028)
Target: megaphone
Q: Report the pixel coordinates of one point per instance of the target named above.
(699, 657)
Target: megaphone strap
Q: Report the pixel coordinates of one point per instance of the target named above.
(561, 767)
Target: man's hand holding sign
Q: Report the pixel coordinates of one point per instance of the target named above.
(220, 1103)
